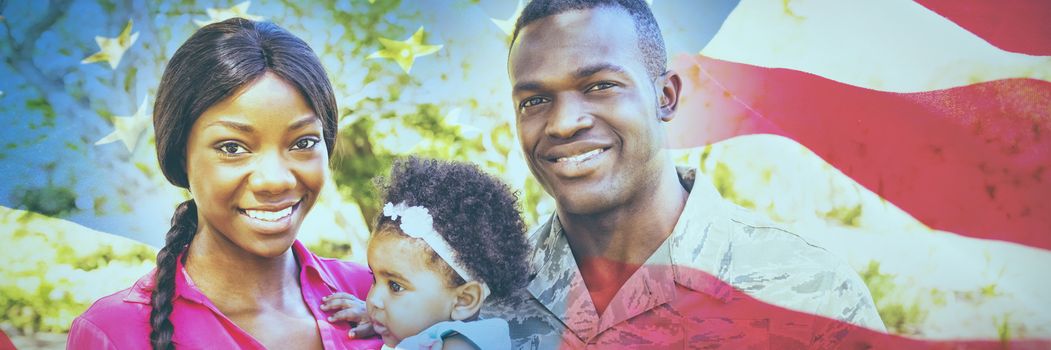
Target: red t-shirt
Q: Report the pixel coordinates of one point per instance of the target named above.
(121, 320)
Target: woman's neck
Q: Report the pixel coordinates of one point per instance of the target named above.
(238, 281)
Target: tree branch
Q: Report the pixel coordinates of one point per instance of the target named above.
(22, 57)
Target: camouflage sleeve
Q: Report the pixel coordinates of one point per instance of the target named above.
(850, 303)
(850, 300)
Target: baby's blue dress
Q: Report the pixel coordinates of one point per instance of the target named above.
(485, 334)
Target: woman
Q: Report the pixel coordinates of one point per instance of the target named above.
(245, 119)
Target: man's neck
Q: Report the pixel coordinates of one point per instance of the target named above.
(610, 246)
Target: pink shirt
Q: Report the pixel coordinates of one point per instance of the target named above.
(121, 320)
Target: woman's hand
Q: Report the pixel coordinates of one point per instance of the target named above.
(348, 308)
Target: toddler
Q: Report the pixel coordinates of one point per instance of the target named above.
(449, 237)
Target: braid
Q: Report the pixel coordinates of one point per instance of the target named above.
(184, 227)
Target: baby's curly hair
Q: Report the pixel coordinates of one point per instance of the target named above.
(475, 212)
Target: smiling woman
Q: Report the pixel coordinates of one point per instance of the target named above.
(246, 120)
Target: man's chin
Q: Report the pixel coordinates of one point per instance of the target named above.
(584, 204)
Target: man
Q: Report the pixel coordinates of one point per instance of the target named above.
(637, 254)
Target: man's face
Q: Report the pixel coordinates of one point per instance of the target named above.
(586, 109)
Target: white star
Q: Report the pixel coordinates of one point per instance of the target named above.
(405, 52)
(453, 119)
(221, 14)
(508, 25)
(129, 128)
(113, 49)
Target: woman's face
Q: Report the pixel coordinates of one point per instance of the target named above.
(256, 163)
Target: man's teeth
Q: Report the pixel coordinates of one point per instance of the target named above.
(268, 215)
(581, 156)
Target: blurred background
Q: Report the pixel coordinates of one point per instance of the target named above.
(910, 138)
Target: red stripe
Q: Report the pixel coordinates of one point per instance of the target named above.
(728, 318)
(974, 160)
(5, 342)
(1014, 25)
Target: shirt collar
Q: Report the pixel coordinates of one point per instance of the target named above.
(310, 263)
(699, 246)
(558, 285)
(141, 291)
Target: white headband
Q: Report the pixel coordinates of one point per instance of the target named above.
(416, 222)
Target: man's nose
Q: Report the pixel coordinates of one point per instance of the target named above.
(567, 118)
(272, 174)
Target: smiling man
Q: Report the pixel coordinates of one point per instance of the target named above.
(638, 254)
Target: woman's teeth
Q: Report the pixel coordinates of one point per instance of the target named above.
(580, 157)
(266, 215)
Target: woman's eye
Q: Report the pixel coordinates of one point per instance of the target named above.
(305, 143)
(231, 148)
(532, 101)
(601, 86)
(395, 287)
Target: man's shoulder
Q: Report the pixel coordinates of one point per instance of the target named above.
(785, 268)
(530, 323)
(767, 242)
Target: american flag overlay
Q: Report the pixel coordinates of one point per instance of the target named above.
(912, 139)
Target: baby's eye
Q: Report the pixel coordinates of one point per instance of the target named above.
(395, 287)
(305, 143)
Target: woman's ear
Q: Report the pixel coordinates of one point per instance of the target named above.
(469, 299)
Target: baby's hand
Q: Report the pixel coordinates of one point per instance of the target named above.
(348, 308)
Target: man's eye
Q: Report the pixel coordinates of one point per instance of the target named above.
(395, 287)
(601, 86)
(532, 101)
(305, 143)
(231, 148)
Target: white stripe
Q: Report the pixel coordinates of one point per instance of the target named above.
(962, 286)
(892, 45)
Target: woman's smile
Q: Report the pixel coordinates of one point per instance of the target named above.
(271, 219)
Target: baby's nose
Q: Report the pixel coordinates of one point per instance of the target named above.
(374, 300)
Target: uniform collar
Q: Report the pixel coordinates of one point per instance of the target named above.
(558, 285)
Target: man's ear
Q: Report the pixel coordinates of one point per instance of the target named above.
(469, 299)
(669, 86)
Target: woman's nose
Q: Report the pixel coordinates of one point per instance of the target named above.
(272, 175)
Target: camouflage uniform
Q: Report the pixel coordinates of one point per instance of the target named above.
(672, 301)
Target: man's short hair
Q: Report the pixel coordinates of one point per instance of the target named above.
(651, 43)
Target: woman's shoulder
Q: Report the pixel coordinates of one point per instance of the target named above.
(114, 319)
(123, 303)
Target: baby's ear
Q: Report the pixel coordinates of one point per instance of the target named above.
(469, 299)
